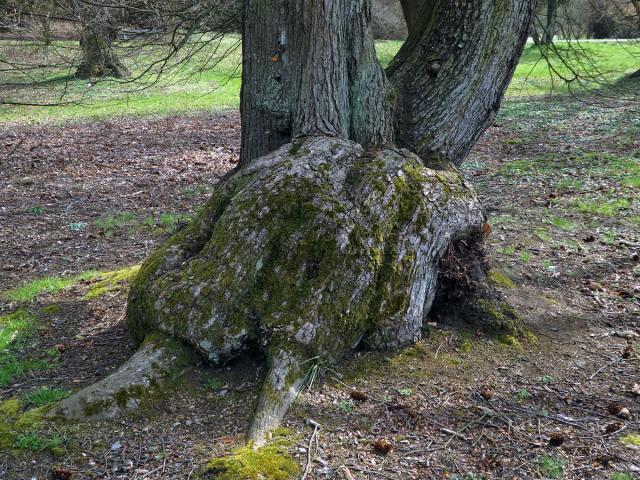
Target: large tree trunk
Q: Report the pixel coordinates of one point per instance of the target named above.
(98, 57)
(452, 72)
(311, 68)
(96, 41)
(330, 237)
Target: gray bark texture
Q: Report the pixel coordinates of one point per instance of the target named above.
(451, 74)
(309, 67)
(96, 42)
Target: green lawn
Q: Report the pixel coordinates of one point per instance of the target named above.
(198, 85)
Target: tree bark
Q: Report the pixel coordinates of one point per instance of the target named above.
(311, 68)
(304, 255)
(96, 42)
(452, 72)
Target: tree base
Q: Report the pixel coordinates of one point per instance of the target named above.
(304, 255)
(111, 69)
(468, 289)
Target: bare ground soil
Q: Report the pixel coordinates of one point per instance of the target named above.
(561, 183)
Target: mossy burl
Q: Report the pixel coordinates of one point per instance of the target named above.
(308, 252)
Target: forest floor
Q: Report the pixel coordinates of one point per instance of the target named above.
(82, 203)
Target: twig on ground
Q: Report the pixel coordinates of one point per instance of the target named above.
(316, 429)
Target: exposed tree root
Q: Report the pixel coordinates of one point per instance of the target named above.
(465, 291)
(157, 360)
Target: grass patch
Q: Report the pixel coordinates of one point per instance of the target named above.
(601, 206)
(213, 385)
(15, 329)
(45, 396)
(551, 467)
(612, 60)
(632, 181)
(508, 250)
(111, 282)
(15, 326)
(111, 222)
(20, 429)
(36, 443)
(570, 184)
(563, 223)
(30, 290)
(621, 476)
(542, 233)
(204, 84)
(105, 282)
(12, 367)
(525, 256)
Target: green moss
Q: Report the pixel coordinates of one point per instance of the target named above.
(511, 341)
(112, 282)
(496, 315)
(122, 396)
(530, 337)
(466, 345)
(10, 408)
(17, 424)
(94, 408)
(51, 309)
(631, 440)
(500, 279)
(272, 462)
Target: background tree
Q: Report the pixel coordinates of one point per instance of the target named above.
(98, 30)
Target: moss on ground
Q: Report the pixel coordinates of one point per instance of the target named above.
(50, 309)
(18, 424)
(112, 282)
(510, 341)
(272, 462)
(500, 279)
(631, 440)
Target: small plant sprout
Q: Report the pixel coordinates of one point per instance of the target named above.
(213, 384)
(522, 395)
(405, 392)
(345, 406)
